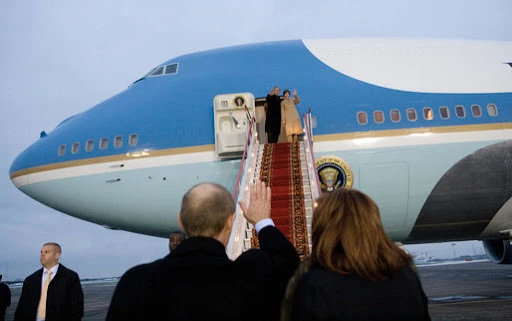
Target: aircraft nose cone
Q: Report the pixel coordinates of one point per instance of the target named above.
(29, 160)
(19, 167)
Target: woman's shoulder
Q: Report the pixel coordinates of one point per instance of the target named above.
(320, 277)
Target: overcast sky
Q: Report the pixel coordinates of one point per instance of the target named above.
(58, 58)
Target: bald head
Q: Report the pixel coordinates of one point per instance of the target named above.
(205, 209)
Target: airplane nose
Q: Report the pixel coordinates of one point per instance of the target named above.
(32, 162)
(17, 169)
(21, 165)
(38, 156)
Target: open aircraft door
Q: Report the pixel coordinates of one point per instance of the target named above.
(231, 123)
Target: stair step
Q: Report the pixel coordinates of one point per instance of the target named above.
(287, 173)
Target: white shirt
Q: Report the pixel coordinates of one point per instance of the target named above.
(263, 223)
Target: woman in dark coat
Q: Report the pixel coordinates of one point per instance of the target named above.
(355, 271)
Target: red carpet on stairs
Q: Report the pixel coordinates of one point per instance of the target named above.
(281, 170)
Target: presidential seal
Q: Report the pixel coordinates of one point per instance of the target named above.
(239, 101)
(333, 172)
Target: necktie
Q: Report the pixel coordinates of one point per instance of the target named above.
(42, 302)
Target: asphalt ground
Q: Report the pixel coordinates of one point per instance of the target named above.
(471, 291)
(468, 291)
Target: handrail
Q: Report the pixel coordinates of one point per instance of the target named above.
(309, 137)
(236, 241)
(248, 142)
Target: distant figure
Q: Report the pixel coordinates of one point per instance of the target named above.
(5, 298)
(175, 238)
(273, 116)
(290, 116)
(198, 281)
(355, 271)
(53, 293)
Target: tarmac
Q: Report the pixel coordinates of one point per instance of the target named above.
(466, 291)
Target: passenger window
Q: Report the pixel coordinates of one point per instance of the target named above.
(460, 111)
(444, 112)
(394, 114)
(104, 143)
(171, 69)
(378, 116)
(133, 139)
(476, 111)
(75, 148)
(492, 110)
(411, 114)
(89, 145)
(428, 114)
(362, 118)
(62, 149)
(118, 141)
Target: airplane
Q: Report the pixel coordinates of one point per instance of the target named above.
(423, 126)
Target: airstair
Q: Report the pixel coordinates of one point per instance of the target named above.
(289, 169)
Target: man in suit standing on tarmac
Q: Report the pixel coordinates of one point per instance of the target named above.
(53, 293)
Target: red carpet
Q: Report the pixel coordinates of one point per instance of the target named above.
(281, 170)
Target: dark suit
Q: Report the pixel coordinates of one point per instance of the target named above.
(273, 118)
(5, 299)
(65, 299)
(198, 281)
(326, 295)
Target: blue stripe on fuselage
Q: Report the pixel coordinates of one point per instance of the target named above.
(177, 110)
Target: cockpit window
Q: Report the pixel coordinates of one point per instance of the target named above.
(171, 69)
(157, 72)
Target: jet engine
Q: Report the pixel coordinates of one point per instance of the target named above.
(499, 251)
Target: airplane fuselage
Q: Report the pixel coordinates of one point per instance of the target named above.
(424, 126)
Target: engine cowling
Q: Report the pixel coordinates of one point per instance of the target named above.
(499, 251)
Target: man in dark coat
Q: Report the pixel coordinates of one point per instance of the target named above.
(273, 116)
(64, 298)
(5, 298)
(198, 281)
(175, 238)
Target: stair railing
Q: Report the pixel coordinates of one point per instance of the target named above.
(309, 123)
(247, 167)
(249, 144)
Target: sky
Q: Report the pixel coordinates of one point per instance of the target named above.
(59, 58)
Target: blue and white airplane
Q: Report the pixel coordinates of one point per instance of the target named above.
(422, 126)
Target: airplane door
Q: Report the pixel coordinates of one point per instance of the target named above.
(231, 123)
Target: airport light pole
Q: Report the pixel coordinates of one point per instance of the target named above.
(453, 246)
